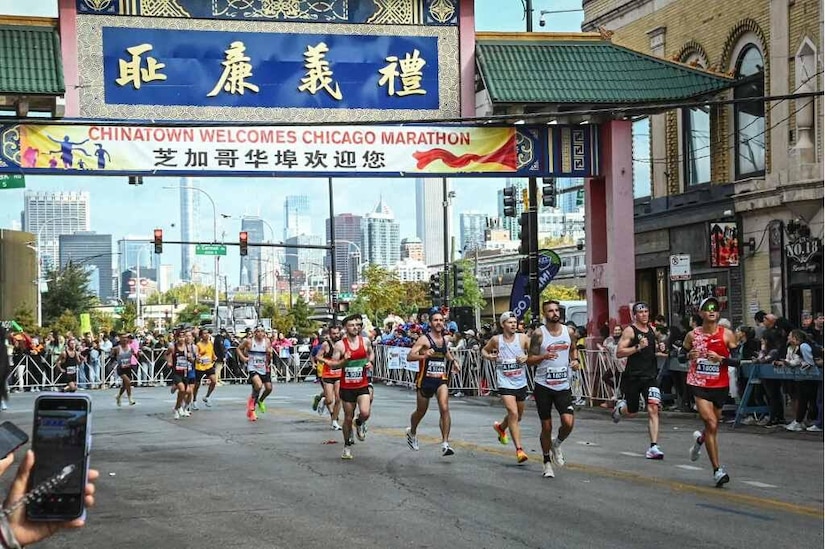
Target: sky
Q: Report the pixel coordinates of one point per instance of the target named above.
(121, 209)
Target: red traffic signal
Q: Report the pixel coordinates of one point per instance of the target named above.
(243, 238)
(158, 241)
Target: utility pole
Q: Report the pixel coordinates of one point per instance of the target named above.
(533, 217)
(446, 276)
(333, 282)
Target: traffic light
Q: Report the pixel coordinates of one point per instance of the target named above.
(244, 242)
(158, 241)
(524, 233)
(458, 281)
(509, 202)
(135, 180)
(548, 192)
(435, 286)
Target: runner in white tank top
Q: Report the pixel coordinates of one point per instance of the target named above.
(553, 353)
(509, 350)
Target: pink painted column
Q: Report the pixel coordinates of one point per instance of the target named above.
(610, 251)
(467, 51)
(67, 14)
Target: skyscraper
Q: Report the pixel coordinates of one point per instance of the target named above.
(297, 220)
(472, 226)
(187, 227)
(382, 236)
(429, 217)
(348, 237)
(251, 263)
(91, 249)
(134, 249)
(567, 201)
(308, 261)
(51, 214)
(412, 248)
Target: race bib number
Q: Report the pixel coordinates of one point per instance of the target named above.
(436, 369)
(205, 360)
(181, 364)
(332, 373)
(556, 376)
(707, 368)
(71, 370)
(354, 371)
(654, 395)
(511, 368)
(125, 362)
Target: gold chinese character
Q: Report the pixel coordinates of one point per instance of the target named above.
(236, 69)
(131, 72)
(319, 75)
(410, 74)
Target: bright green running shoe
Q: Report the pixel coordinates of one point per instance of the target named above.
(261, 407)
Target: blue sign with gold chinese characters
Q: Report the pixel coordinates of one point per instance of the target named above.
(245, 69)
(376, 12)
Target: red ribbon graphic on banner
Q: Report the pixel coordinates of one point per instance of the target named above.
(504, 155)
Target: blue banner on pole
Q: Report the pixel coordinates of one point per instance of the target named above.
(549, 265)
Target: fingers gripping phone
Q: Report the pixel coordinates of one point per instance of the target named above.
(61, 436)
(11, 438)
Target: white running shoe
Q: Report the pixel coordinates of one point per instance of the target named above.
(132, 402)
(195, 406)
(334, 426)
(446, 450)
(322, 407)
(720, 477)
(361, 431)
(812, 429)
(412, 440)
(207, 402)
(547, 471)
(654, 453)
(696, 449)
(556, 456)
(617, 411)
(347, 453)
(4, 406)
(185, 413)
(177, 413)
(794, 426)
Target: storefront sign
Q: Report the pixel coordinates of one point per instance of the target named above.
(724, 245)
(302, 150)
(804, 255)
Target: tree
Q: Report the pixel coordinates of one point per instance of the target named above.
(417, 297)
(557, 292)
(317, 298)
(381, 293)
(24, 315)
(101, 322)
(68, 291)
(192, 312)
(472, 293)
(300, 314)
(66, 322)
(128, 316)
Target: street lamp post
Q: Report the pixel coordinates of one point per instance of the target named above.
(215, 241)
(360, 256)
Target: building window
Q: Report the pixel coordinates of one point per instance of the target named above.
(696, 142)
(749, 117)
(641, 158)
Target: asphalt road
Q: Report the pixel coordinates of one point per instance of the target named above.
(217, 480)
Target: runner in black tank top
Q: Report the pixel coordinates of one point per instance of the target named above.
(68, 363)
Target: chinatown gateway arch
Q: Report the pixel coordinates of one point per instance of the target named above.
(348, 88)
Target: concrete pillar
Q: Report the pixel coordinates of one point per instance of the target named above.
(778, 69)
(67, 23)
(467, 56)
(610, 250)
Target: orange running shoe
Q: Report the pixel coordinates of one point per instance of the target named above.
(502, 434)
(521, 457)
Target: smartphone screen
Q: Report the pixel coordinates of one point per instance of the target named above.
(59, 438)
(11, 438)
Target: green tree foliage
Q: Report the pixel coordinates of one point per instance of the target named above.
(558, 292)
(24, 315)
(68, 291)
(127, 318)
(192, 312)
(381, 294)
(417, 296)
(101, 322)
(317, 298)
(66, 322)
(300, 314)
(472, 292)
(183, 294)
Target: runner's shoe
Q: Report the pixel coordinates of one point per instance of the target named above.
(207, 402)
(617, 411)
(521, 456)
(412, 440)
(132, 402)
(261, 406)
(502, 434)
(335, 426)
(250, 404)
(322, 407)
(446, 450)
(315, 400)
(547, 471)
(361, 431)
(347, 453)
(654, 453)
(195, 406)
(185, 413)
(720, 477)
(696, 449)
(176, 414)
(556, 456)
(117, 399)
(251, 415)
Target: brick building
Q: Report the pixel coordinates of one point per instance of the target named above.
(729, 181)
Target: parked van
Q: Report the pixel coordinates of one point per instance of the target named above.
(575, 311)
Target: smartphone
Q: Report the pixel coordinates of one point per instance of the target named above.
(11, 438)
(62, 435)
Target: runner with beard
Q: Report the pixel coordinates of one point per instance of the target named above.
(550, 352)
(430, 350)
(256, 353)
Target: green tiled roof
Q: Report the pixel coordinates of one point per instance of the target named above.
(584, 71)
(30, 61)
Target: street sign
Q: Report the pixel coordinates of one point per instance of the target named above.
(210, 249)
(205, 316)
(346, 296)
(680, 267)
(12, 181)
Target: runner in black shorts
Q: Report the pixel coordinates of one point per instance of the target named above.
(123, 353)
(179, 359)
(638, 344)
(68, 362)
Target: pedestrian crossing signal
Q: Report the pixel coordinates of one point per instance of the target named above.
(244, 242)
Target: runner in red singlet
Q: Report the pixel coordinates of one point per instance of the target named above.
(354, 355)
(708, 348)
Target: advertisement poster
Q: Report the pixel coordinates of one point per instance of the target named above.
(724, 245)
(549, 265)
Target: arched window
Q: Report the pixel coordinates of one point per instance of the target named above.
(749, 117)
(696, 146)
